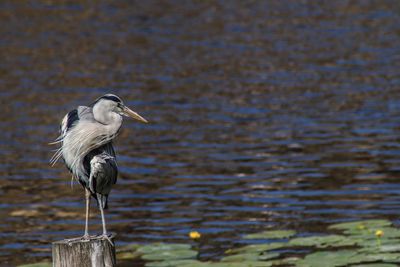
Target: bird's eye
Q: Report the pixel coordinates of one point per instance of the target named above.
(119, 108)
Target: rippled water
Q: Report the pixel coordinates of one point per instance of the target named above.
(264, 115)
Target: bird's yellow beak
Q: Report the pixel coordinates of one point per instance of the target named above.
(130, 113)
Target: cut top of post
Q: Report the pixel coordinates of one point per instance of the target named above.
(96, 251)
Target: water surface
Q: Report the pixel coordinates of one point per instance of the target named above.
(264, 115)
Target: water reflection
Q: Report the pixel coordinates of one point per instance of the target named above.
(263, 115)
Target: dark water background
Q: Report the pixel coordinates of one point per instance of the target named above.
(264, 115)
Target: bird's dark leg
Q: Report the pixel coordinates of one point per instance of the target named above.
(103, 219)
(87, 196)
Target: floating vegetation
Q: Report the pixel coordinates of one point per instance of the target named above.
(327, 241)
(371, 243)
(361, 225)
(170, 255)
(278, 234)
(251, 256)
(257, 248)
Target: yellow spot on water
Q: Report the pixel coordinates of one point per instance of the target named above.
(379, 233)
(194, 235)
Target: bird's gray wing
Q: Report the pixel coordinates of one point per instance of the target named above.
(72, 118)
(67, 123)
(103, 172)
(85, 113)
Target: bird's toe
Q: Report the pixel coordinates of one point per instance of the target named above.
(105, 236)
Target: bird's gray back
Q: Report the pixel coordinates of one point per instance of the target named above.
(82, 113)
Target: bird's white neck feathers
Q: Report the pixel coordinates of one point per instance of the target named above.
(103, 112)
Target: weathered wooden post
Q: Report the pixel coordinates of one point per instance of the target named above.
(96, 252)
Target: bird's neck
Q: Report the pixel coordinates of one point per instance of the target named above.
(111, 122)
(105, 116)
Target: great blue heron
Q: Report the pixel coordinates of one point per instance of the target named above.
(86, 135)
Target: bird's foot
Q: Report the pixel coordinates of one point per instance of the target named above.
(76, 239)
(85, 237)
(105, 236)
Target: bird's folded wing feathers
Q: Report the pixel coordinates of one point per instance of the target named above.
(103, 173)
(68, 122)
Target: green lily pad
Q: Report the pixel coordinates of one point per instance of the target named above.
(250, 257)
(361, 225)
(218, 264)
(357, 246)
(233, 264)
(323, 241)
(174, 263)
(391, 257)
(329, 259)
(157, 247)
(256, 248)
(389, 232)
(345, 258)
(390, 248)
(370, 234)
(375, 265)
(376, 246)
(286, 261)
(278, 234)
(241, 257)
(170, 255)
(268, 256)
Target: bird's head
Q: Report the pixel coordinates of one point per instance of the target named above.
(112, 103)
